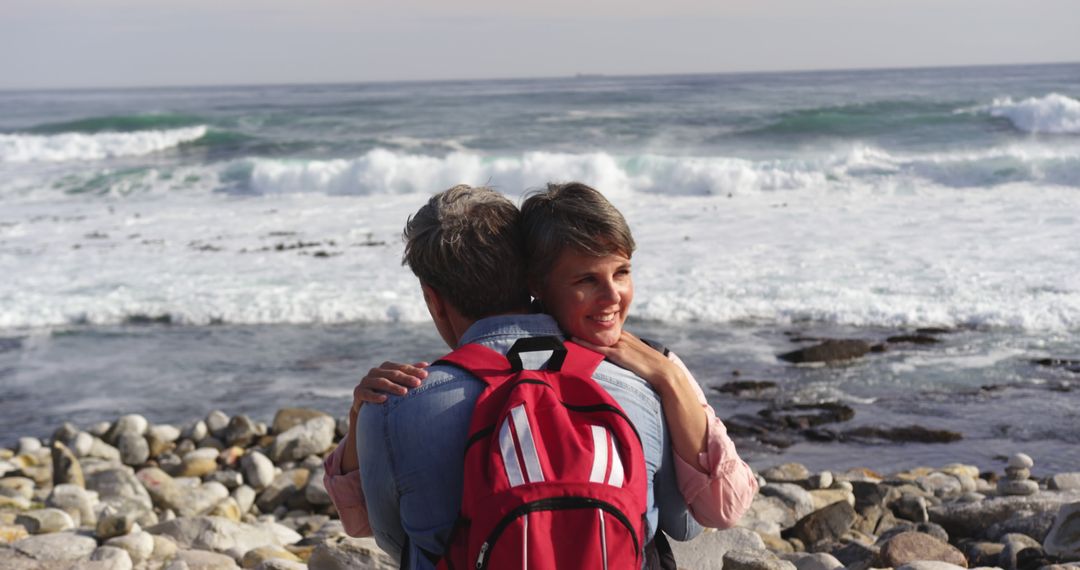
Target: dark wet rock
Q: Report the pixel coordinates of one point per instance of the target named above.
(753, 389)
(914, 433)
(911, 546)
(829, 524)
(934, 330)
(912, 339)
(803, 416)
(910, 507)
(832, 350)
(1072, 365)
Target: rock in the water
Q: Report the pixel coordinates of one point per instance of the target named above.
(913, 433)
(832, 350)
(706, 552)
(258, 470)
(45, 521)
(309, 438)
(749, 389)
(66, 467)
(288, 418)
(908, 547)
(57, 546)
(1064, 481)
(1064, 537)
(113, 558)
(912, 339)
(829, 523)
(755, 560)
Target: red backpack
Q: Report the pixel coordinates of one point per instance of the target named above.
(554, 470)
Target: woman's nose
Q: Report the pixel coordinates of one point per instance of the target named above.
(610, 293)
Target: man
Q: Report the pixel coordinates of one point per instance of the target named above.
(465, 247)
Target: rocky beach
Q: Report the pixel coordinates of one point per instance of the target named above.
(225, 492)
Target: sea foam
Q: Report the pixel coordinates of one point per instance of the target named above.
(79, 146)
(1053, 113)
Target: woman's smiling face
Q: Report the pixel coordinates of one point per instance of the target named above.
(589, 295)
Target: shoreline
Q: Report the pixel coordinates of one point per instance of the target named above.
(222, 491)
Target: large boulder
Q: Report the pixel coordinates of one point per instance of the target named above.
(57, 546)
(706, 552)
(287, 418)
(45, 521)
(216, 534)
(758, 559)
(972, 519)
(76, 501)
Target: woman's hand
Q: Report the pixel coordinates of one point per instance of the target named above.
(387, 378)
(685, 417)
(633, 354)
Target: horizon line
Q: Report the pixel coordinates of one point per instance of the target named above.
(578, 75)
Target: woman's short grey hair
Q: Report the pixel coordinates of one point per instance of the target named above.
(466, 244)
(571, 215)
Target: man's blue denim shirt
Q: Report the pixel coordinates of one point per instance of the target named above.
(412, 448)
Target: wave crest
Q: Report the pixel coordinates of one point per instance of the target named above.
(1054, 113)
(79, 146)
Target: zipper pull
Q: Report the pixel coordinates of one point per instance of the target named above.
(483, 552)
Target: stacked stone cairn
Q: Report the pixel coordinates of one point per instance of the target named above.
(230, 492)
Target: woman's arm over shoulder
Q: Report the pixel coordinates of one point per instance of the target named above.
(346, 493)
(722, 486)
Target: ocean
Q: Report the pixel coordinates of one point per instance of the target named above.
(170, 251)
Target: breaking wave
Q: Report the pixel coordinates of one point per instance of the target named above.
(1054, 113)
(82, 146)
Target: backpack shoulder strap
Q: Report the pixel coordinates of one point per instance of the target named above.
(480, 361)
(580, 361)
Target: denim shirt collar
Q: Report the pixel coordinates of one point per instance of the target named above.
(493, 329)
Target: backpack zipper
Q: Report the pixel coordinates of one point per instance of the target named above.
(551, 504)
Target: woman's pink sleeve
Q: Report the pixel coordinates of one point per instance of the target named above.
(346, 493)
(720, 489)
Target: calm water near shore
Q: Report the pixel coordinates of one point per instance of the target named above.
(175, 374)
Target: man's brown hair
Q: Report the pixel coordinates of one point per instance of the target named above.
(571, 215)
(466, 244)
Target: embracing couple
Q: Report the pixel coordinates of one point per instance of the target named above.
(492, 274)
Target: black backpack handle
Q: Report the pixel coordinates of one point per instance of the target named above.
(537, 344)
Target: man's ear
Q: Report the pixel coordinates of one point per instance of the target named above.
(436, 304)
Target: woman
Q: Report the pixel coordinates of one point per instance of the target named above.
(579, 248)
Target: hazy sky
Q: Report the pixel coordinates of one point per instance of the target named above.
(78, 43)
